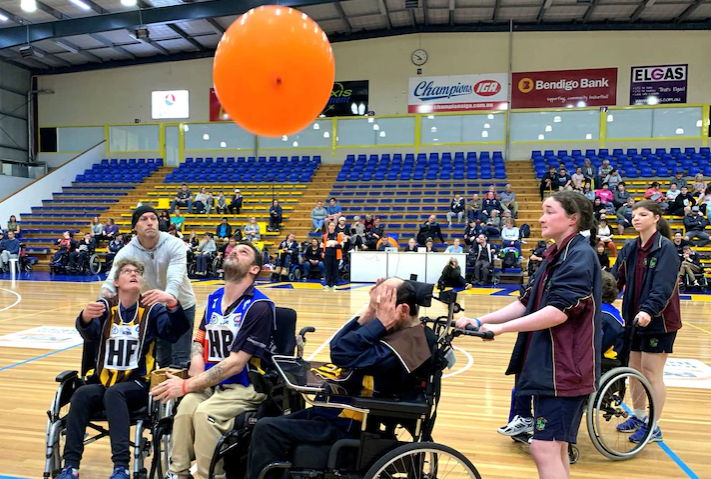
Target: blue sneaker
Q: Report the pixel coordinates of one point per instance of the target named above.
(68, 473)
(639, 435)
(120, 473)
(631, 425)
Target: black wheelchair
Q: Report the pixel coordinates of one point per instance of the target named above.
(697, 282)
(142, 419)
(90, 265)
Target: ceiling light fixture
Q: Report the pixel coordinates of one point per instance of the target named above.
(28, 6)
(80, 4)
(128, 3)
(3, 18)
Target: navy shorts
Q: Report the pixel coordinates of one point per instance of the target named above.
(557, 418)
(653, 343)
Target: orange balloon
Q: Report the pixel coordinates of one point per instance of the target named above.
(274, 71)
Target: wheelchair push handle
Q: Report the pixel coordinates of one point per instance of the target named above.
(471, 330)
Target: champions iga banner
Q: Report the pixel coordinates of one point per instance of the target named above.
(457, 93)
(564, 88)
(348, 98)
(658, 84)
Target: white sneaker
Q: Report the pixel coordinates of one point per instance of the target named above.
(518, 425)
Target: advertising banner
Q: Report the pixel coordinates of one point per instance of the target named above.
(487, 91)
(43, 337)
(348, 98)
(658, 84)
(564, 88)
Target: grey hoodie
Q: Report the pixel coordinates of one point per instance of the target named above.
(166, 267)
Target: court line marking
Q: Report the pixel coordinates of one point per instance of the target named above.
(678, 461)
(19, 298)
(40, 312)
(470, 363)
(698, 327)
(42, 356)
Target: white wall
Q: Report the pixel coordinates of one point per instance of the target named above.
(10, 184)
(43, 188)
(122, 95)
(55, 160)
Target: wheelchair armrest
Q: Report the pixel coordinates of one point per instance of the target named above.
(65, 376)
(392, 407)
(307, 329)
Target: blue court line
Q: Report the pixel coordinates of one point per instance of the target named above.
(35, 359)
(13, 477)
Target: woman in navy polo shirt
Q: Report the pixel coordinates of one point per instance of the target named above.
(558, 318)
(648, 267)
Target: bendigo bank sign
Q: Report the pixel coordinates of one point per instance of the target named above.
(564, 88)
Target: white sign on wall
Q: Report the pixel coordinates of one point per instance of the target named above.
(488, 91)
(42, 337)
(170, 104)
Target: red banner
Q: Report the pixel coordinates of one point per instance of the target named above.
(216, 111)
(563, 88)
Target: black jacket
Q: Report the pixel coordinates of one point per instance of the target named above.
(228, 231)
(313, 254)
(679, 201)
(694, 223)
(457, 206)
(429, 231)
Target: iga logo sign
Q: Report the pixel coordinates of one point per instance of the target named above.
(458, 93)
(487, 88)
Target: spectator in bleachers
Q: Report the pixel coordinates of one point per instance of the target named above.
(624, 216)
(698, 187)
(65, 245)
(357, 233)
(173, 231)
(10, 250)
(275, 215)
(482, 256)
(236, 202)
(672, 193)
(493, 224)
(411, 246)
(288, 255)
(341, 227)
(602, 172)
(455, 247)
(613, 179)
(534, 261)
(2, 238)
(489, 205)
(224, 229)
(81, 253)
(604, 234)
(110, 230)
(183, 198)
(251, 230)
(373, 236)
(429, 229)
(333, 210)
(237, 233)
(704, 201)
(683, 203)
(588, 170)
(368, 223)
(429, 246)
(177, 219)
(602, 256)
(386, 241)
(588, 191)
(318, 216)
(224, 252)
(471, 231)
(549, 182)
(115, 246)
(508, 200)
(599, 209)
(452, 276)
(510, 234)
(492, 190)
(679, 243)
(620, 195)
(97, 229)
(193, 239)
(655, 194)
(578, 178)
(313, 258)
(202, 201)
(679, 180)
(690, 265)
(564, 182)
(606, 196)
(14, 226)
(205, 250)
(164, 221)
(221, 204)
(456, 208)
(474, 208)
(695, 224)
(332, 254)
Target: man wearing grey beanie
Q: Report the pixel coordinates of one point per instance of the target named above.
(166, 275)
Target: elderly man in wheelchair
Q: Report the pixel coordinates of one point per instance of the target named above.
(119, 335)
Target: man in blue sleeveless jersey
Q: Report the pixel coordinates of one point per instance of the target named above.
(235, 331)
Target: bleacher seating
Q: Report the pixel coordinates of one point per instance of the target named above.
(248, 170)
(423, 166)
(131, 170)
(631, 163)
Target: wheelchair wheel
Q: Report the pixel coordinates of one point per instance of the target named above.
(573, 454)
(610, 406)
(295, 275)
(422, 459)
(95, 264)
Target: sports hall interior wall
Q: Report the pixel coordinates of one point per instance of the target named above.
(14, 84)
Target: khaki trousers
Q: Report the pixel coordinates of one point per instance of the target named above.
(203, 417)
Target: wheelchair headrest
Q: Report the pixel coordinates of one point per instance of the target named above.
(285, 333)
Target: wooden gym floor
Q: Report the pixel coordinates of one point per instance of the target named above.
(475, 399)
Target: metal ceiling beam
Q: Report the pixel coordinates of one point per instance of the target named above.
(495, 15)
(220, 29)
(385, 12)
(155, 45)
(13, 36)
(590, 10)
(545, 5)
(97, 8)
(13, 17)
(88, 55)
(425, 9)
(343, 17)
(187, 37)
(689, 10)
(47, 9)
(102, 39)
